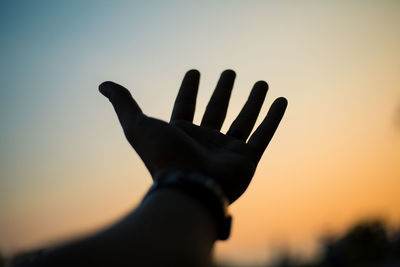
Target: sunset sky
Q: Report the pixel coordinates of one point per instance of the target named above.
(66, 168)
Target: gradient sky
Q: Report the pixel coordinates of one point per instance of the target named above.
(65, 167)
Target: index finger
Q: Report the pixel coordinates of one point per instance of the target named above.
(185, 102)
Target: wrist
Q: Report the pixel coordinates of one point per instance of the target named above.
(181, 229)
(202, 189)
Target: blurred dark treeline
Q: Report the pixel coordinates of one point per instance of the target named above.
(369, 243)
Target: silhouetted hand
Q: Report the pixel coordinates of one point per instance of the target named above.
(181, 145)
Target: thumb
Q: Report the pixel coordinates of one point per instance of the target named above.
(125, 106)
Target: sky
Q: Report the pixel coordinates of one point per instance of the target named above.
(66, 169)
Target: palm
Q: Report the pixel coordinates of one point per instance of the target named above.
(182, 145)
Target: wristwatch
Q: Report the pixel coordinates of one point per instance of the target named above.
(205, 190)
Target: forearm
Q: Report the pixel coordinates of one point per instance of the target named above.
(168, 228)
